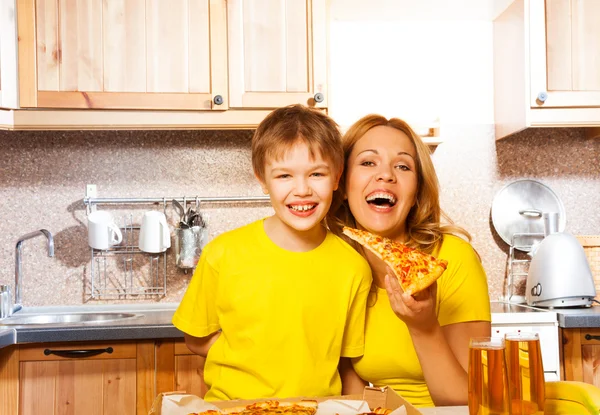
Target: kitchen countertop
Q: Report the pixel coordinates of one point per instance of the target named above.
(153, 321)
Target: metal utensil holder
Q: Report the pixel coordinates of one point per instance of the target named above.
(512, 261)
(128, 282)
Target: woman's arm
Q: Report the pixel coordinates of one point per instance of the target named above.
(444, 357)
(201, 345)
(443, 352)
(351, 382)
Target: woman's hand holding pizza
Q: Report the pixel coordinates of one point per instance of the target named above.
(418, 310)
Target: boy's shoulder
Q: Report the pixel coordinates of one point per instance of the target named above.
(238, 236)
(344, 250)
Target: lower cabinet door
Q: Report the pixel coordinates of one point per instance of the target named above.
(99, 385)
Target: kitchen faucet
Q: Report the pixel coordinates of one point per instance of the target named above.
(19, 266)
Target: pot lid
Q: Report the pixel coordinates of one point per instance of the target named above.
(517, 209)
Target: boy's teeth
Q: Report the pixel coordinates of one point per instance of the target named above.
(302, 208)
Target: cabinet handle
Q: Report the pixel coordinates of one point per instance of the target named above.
(78, 353)
(319, 97)
(590, 337)
(218, 99)
(542, 97)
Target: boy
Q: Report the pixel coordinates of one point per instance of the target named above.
(273, 305)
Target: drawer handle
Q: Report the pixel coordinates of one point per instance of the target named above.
(78, 353)
(590, 337)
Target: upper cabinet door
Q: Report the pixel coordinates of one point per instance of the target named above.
(8, 55)
(565, 53)
(277, 53)
(123, 54)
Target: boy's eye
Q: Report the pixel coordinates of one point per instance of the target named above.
(318, 174)
(282, 176)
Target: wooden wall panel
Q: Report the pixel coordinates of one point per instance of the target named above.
(199, 53)
(167, 59)
(558, 54)
(296, 47)
(80, 45)
(189, 374)
(264, 45)
(124, 45)
(586, 44)
(38, 384)
(119, 386)
(48, 53)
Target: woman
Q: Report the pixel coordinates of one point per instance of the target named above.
(419, 345)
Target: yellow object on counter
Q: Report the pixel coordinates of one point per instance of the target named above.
(560, 407)
(582, 393)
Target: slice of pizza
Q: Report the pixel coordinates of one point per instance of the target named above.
(414, 269)
(271, 407)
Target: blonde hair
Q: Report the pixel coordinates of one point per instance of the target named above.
(424, 230)
(285, 127)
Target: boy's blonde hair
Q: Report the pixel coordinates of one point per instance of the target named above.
(288, 126)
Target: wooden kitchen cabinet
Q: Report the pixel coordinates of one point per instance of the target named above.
(8, 56)
(277, 53)
(178, 369)
(35, 381)
(547, 65)
(177, 64)
(133, 54)
(580, 355)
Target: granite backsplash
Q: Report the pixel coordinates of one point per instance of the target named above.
(43, 176)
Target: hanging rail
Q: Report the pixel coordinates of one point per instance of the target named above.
(90, 201)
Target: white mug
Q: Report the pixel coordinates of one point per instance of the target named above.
(154, 233)
(102, 230)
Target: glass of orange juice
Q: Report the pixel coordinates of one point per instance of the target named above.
(488, 378)
(525, 373)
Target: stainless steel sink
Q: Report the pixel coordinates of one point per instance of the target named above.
(70, 318)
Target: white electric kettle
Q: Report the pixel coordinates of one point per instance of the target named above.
(559, 274)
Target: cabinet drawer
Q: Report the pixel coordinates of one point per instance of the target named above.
(77, 350)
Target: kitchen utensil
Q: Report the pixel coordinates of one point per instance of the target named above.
(6, 303)
(487, 377)
(181, 210)
(188, 245)
(154, 233)
(102, 230)
(517, 209)
(559, 274)
(526, 384)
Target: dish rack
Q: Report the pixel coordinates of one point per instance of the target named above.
(124, 271)
(140, 273)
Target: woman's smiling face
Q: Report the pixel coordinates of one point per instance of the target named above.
(381, 181)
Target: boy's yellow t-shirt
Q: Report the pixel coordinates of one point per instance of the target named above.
(390, 357)
(286, 317)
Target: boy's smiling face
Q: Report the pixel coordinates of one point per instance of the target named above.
(301, 188)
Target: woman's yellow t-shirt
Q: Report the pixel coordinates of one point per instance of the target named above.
(390, 357)
(286, 317)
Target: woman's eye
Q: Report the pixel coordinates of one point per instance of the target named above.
(403, 167)
(367, 163)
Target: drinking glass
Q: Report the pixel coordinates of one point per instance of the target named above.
(526, 385)
(488, 380)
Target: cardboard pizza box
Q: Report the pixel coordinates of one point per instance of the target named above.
(384, 397)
